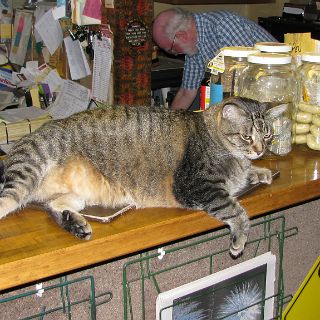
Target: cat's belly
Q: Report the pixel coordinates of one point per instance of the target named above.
(80, 178)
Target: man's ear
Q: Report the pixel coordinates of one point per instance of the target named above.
(182, 35)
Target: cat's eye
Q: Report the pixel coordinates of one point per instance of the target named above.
(246, 137)
(267, 135)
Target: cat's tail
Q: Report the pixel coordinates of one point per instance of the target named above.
(18, 180)
(2, 176)
(8, 202)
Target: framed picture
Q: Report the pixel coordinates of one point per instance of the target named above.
(243, 291)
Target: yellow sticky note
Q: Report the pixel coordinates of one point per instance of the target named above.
(301, 42)
(5, 31)
(35, 97)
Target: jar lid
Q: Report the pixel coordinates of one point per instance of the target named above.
(277, 47)
(310, 57)
(269, 58)
(238, 52)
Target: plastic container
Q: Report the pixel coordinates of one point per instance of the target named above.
(306, 127)
(269, 77)
(235, 60)
(273, 47)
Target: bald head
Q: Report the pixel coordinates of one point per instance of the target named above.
(162, 30)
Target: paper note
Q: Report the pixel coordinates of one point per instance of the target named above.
(60, 10)
(21, 113)
(72, 99)
(5, 32)
(35, 97)
(54, 81)
(78, 63)
(77, 7)
(101, 76)
(92, 9)
(6, 79)
(50, 31)
(21, 36)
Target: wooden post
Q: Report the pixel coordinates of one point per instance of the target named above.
(131, 24)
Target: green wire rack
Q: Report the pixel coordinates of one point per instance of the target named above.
(143, 277)
(63, 300)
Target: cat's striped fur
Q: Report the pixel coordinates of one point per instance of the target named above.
(141, 156)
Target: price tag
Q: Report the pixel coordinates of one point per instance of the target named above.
(216, 65)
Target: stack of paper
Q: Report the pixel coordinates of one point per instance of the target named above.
(16, 123)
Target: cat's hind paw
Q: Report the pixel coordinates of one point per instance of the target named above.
(76, 224)
(237, 245)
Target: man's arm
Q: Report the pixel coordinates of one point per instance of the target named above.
(184, 98)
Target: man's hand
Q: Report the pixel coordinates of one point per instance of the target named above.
(184, 98)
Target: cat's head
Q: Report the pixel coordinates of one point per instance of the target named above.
(247, 125)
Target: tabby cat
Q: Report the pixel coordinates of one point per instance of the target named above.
(145, 157)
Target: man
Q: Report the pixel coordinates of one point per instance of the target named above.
(200, 36)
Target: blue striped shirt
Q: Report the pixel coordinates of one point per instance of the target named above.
(215, 30)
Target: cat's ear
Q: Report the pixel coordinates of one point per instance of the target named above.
(232, 112)
(277, 111)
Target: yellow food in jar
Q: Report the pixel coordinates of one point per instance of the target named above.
(312, 142)
(316, 120)
(300, 128)
(310, 108)
(304, 117)
(300, 139)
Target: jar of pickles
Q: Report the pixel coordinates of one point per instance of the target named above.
(306, 128)
(269, 77)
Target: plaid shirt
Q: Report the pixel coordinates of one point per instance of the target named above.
(215, 30)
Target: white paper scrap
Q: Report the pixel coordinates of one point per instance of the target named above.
(50, 31)
(21, 35)
(101, 75)
(22, 113)
(73, 98)
(54, 81)
(78, 63)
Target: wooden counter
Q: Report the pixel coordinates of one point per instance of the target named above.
(33, 247)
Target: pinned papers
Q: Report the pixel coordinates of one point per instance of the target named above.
(86, 12)
(50, 31)
(21, 35)
(72, 99)
(5, 21)
(101, 76)
(78, 64)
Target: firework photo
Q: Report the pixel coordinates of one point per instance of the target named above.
(242, 292)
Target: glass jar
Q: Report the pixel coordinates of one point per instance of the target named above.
(273, 47)
(306, 127)
(269, 77)
(235, 60)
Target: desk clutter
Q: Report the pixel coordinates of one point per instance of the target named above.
(51, 54)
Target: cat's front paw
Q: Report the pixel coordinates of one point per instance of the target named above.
(76, 224)
(257, 175)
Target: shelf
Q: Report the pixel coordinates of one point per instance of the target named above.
(176, 2)
(32, 241)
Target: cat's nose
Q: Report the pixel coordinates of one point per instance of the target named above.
(257, 148)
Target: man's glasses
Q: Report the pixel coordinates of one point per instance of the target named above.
(171, 51)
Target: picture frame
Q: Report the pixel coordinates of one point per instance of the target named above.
(243, 291)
